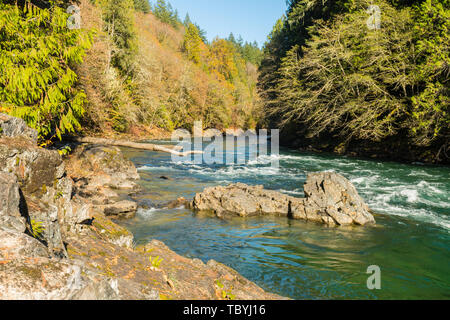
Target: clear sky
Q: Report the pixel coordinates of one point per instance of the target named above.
(253, 19)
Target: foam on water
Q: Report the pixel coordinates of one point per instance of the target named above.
(305, 260)
(146, 213)
(417, 192)
(156, 168)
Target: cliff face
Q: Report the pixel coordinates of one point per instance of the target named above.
(57, 241)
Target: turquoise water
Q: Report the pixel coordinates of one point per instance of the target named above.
(410, 242)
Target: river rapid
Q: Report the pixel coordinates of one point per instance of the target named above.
(410, 242)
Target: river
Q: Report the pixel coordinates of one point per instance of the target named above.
(410, 242)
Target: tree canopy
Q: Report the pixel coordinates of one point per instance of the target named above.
(37, 55)
(326, 76)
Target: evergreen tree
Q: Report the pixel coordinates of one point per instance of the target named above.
(201, 33)
(326, 76)
(192, 43)
(119, 18)
(232, 39)
(37, 55)
(142, 5)
(187, 20)
(164, 12)
(431, 106)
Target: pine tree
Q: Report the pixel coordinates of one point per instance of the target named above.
(201, 33)
(142, 5)
(192, 43)
(187, 20)
(164, 12)
(329, 79)
(119, 23)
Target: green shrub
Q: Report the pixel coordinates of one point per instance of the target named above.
(37, 229)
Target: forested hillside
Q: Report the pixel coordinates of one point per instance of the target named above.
(326, 79)
(132, 67)
(331, 83)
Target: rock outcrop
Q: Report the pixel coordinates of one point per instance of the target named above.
(14, 127)
(57, 242)
(329, 198)
(102, 176)
(104, 166)
(332, 199)
(10, 216)
(37, 177)
(46, 279)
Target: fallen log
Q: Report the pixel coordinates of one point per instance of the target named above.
(136, 145)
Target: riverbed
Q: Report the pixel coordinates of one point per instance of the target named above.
(410, 242)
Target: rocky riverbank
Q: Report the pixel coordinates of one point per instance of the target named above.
(59, 242)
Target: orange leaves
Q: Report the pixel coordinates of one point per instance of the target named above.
(222, 59)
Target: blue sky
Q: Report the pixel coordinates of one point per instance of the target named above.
(253, 19)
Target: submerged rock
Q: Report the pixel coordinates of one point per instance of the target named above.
(179, 203)
(329, 198)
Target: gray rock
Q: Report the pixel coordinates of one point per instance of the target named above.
(16, 245)
(47, 279)
(179, 203)
(122, 209)
(15, 127)
(104, 166)
(335, 199)
(329, 198)
(44, 279)
(10, 216)
(97, 291)
(35, 168)
(241, 200)
(47, 193)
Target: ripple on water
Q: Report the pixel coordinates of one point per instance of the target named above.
(411, 241)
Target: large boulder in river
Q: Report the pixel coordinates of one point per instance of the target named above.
(242, 200)
(329, 198)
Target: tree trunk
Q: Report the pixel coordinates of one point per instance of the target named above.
(136, 145)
